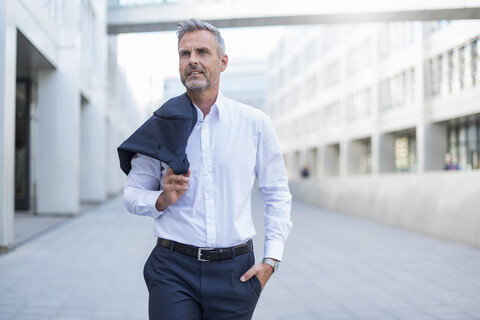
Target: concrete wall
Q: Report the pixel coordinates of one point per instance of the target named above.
(441, 204)
(8, 40)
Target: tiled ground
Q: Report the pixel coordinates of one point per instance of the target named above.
(335, 267)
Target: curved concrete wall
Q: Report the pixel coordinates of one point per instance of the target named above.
(441, 204)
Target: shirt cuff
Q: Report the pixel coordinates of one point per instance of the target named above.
(273, 249)
(151, 201)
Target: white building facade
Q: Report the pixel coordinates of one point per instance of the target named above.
(372, 110)
(61, 113)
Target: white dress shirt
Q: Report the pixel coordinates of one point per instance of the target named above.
(227, 150)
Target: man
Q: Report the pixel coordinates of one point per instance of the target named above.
(203, 265)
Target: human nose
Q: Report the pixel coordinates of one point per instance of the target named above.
(193, 59)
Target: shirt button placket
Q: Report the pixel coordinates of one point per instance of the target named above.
(209, 187)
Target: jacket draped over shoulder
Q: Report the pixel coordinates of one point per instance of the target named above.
(163, 136)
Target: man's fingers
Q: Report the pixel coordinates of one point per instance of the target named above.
(171, 177)
(250, 273)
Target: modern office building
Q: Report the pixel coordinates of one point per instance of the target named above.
(371, 111)
(64, 107)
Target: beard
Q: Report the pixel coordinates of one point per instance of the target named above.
(198, 83)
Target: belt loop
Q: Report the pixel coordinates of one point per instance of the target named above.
(233, 252)
(172, 246)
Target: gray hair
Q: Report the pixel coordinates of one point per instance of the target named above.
(196, 25)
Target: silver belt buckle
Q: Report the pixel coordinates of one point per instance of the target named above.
(199, 255)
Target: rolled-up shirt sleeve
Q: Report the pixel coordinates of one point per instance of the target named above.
(143, 186)
(273, 186)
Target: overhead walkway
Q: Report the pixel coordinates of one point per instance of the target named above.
(127, 16)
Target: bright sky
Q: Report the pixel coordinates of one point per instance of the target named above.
(155, 54)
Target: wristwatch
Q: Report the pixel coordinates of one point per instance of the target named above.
(273, 263)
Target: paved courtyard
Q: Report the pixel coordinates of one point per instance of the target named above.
(335, 267)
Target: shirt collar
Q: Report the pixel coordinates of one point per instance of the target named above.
(217, 107)
(220, 103)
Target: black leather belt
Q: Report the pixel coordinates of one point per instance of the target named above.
(206, 254)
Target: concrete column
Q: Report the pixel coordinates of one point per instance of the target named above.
(375, 152)
(386, 158)
(322, 161)
(8, 62)
(92, 156)
(434, 146)
(421, 86)
(332, 160)
(343, 161)
(115, 177)
(59, 123)
(353, 155)
(59, 143)
(375, 142)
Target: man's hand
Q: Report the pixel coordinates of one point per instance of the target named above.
(174, 186)
(262, 271)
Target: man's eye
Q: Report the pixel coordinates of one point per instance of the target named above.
(184, 54)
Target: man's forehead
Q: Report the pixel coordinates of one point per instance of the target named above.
(197, 38)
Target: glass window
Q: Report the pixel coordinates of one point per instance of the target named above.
(332, 112)
(462, 147)
(474, 59)
(472, 146)
(439, 74)
(405, 152)
(311, 87)
(452, 144)
(365, 159)
(433, 78)
(451, 67)
(334, 151)
(331, 75)
(461, 66)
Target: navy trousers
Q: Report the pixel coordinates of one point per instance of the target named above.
(181, 287)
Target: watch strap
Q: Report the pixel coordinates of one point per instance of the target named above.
(273, 263)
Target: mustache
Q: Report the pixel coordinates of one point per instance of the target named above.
(192, 69)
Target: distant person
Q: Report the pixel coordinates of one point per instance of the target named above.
(448, 163)
(203, 266)
(305, 171)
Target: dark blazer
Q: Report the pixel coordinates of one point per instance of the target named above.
(163, 136)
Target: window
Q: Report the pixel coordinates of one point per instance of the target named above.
(365, 157)
(359, 104)
(451, 68)
(436, 76)
(405, 152)
(331, 75)
(395, 36)
(472, 146)
(332, 160)
(440, 74)
(332, 114)
(464, 145)
(311, 87)
(358, 58)
(397, 90)
(474, 58)
(433, 77)
(461, 67)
